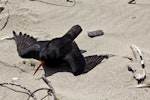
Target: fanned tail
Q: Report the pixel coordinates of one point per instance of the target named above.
(73, 33)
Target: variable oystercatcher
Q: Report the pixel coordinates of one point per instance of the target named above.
(57, 51)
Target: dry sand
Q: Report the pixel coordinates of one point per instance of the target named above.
(123, 24)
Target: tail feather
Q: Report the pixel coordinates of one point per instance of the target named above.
(73, 33)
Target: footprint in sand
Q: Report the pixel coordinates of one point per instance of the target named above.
(28, 21)
(27, 65)
(23, 24)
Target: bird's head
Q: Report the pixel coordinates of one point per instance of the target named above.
(48, 54)
(43, 58)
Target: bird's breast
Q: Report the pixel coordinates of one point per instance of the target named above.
(54, 62)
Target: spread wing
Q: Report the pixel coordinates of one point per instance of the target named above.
(94, 60)
(27, 46)
(76, 60)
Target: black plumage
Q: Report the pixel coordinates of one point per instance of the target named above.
(56, 51)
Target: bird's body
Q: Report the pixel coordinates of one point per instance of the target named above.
(57, 51)
(53, 52)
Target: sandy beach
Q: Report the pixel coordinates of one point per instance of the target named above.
(123, 24)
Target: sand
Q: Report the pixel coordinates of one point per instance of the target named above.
(123, 24)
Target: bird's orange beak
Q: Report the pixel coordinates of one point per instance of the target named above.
(40, 64)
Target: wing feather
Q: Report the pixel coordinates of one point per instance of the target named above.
(28, 46)
(75, 60)
(94, 60)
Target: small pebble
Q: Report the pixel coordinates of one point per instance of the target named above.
(14, 79)
(1, 9)
(32, 64)
(24, 62)
(95, 33)
(82, 51)
(68, 1)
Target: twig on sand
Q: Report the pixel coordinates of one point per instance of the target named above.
(146, 85)
(28, 92)
(7, 17)
(74, 3)
(69, 1)
(139, 77)
(8, 65)
(132, 2)
(6, 38)
(50, 90)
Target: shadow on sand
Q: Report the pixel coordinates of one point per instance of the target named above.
(98, 59)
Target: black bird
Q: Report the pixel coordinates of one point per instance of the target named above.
(57, 51)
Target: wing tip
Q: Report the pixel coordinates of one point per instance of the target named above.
(14, 33)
